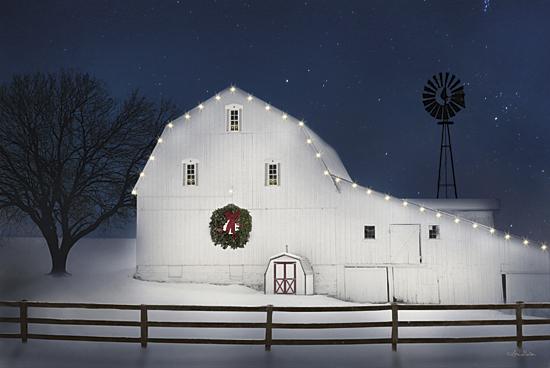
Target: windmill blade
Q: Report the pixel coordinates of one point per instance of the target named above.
(441, 80)
(430, 83)
(433, 109)
(446, 79)
(455, 84)
(428, 103)
(429, 106)
(429, 90)
(426, 96)
(451, 111)
(438, 84)
(454, 106)
(438, 112)
(452, 79)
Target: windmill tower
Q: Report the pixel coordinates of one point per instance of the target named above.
(443, 97)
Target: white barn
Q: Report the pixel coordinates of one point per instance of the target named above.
(311, 224)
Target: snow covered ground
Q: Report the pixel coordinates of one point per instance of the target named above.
(102, 271)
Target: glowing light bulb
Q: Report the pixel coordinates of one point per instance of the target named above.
(267, 107)
(170, 125)
(525, 242)
(134, 192)
(301, 123)
(325, 172)
(160, 140)
(507, 236)
(543, 247)
(284, 116)
(337, 180)
(187, 116)
(457, 220)
(387, 197)
(354, 185)
(438, 215)
(492, 231)
(422, 209)
(318, 155)
(218, 97)
(474, 225)
(405, 203)
(369, 191)
(230, 191)
(308, 141)
(232, 89)
(141, 174)
(201, 106)
(249, 98)
(152, 158)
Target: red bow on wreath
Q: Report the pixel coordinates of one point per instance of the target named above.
(232, 221)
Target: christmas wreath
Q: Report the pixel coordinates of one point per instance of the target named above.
(230, 226)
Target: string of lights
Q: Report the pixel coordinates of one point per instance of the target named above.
(354, 185)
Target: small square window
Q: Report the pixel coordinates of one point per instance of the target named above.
(433, 231)
(370, 232)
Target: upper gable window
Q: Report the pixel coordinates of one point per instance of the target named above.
(233, 118)
(190, 173)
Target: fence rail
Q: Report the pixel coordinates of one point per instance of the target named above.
(394, 324)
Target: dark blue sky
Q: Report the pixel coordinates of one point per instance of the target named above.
(353, 70)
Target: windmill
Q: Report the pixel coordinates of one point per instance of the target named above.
(443, 98)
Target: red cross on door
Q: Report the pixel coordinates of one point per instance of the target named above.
(284, 277)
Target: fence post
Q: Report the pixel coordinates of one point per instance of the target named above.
(23, 323)
(144, 331)
(394, 324)
(519, 325)
(269, 327)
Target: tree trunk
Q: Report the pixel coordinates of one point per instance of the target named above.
(59, 262)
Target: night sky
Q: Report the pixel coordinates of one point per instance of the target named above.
(353, 70)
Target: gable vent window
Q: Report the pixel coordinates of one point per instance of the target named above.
(433, 231)
(272, 174)
(233, 115)
(370, 232)
(190, 174)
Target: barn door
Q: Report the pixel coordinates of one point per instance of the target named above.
(284, 278)
(405, 244)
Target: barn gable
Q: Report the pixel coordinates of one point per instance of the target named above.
(207, 118)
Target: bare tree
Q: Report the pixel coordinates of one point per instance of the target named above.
(70, 154)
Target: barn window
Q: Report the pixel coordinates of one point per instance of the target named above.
(370, 232)
(190, 173)
(433, 231)
(233, 116)
(272, 174)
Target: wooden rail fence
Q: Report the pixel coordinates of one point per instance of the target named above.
(394, 324)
